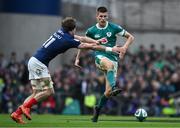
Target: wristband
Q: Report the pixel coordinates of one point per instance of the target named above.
(108, 49)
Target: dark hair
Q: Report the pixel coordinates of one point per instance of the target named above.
(68, 24)
(102, 9)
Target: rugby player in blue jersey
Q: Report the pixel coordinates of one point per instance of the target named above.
(41, 82)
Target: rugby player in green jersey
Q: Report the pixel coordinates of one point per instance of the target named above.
(107, 61)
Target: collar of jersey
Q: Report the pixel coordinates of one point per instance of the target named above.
(67, 33)
(97, 25)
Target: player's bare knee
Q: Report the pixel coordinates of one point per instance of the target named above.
(35, 92)
(49, 92)
(110, 66)
(107, 63)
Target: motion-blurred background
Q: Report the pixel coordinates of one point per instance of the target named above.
(149, 74)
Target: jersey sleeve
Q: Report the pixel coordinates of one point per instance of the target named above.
(119, 30)
(75, 43)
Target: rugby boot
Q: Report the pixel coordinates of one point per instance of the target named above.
(26, 112)
(17, 118)
(115, 91)
(95, 114)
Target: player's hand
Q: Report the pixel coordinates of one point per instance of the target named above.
(76, 63)
(122, 52)
(97, 42)
(116, 49)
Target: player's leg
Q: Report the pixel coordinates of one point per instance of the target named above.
(107, 93)
(40, 81)
(18, 110)
(34, 92)
(111, 73)
(17, 115)
(103, 64)
(103, 100)
(110, 67)
(44, 88)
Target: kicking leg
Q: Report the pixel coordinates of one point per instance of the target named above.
(110, 69)
(111, 78)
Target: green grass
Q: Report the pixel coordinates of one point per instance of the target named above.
(62, 121)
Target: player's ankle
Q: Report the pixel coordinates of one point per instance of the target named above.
(18, 111)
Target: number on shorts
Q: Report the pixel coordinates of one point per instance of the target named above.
(49, 41)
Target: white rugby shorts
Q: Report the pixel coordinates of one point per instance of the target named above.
(37, 69)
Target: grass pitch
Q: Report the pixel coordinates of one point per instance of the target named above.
(71, 121)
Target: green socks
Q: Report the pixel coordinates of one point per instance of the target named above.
(111, 78)
(102, 101)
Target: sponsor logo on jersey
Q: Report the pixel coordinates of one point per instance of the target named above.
(104, 40)
(108, 34)
(97, 36)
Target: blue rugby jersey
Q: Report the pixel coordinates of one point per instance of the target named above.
(58, 43)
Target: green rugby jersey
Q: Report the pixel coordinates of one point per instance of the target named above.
(110, 31)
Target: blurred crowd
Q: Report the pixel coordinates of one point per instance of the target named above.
(150, 78)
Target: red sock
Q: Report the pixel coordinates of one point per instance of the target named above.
(18, 111)
(30, 103)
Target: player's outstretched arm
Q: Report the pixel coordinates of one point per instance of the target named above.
(114, 49)
(86, 39)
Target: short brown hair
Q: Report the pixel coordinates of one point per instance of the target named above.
(68, 24)
(102, 9)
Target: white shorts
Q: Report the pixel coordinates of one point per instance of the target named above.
(37, 69)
